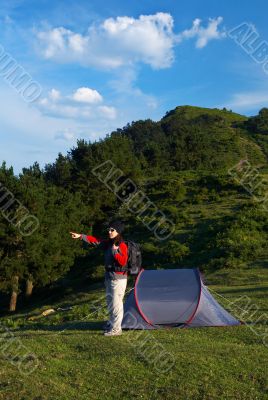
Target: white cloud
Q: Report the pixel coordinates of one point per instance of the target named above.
(116, 42)
(124, 41)
(39, 131)
(108, 112)
(82, 104)
(203, 35)
(246, 101)
(87, 95)
(65, 135)
(34, 136)
(63, 110)
(124, 85)
(54, 94)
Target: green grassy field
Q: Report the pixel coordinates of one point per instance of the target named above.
(75, 360)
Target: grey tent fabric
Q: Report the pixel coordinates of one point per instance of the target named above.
(168, 297)
(172, 298)
(211, 313)
(132, 317)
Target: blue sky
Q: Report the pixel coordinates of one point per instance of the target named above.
(100, 65)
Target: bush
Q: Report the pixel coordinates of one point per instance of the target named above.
(175, 251)
(239, 240)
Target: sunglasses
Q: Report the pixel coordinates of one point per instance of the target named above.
(110, 229)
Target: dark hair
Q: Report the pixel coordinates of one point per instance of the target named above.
(117, 225)
(117, 240)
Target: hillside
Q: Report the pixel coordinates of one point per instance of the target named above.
(182, 164)
(193, 138)
(193, 112)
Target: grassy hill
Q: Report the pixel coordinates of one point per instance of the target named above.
(193, 112)
(182, 164)
(197, 138)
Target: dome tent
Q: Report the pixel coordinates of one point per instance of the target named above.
(172, 298)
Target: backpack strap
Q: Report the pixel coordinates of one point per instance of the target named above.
(118, 268)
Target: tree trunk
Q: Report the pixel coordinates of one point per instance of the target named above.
(14, 294)
(29, 287)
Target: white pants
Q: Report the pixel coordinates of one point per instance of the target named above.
(115, 290)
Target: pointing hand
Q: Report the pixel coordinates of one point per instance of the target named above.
(75, 235)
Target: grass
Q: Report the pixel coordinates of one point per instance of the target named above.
(77, 362)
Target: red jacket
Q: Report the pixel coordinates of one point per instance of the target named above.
(120, 255)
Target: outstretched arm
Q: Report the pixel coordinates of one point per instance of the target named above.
(88, 239)
(91, 239)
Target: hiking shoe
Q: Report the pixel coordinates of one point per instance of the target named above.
(113, 333)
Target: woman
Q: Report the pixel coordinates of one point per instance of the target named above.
(115, 258)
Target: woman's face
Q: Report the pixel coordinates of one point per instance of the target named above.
(112, 233)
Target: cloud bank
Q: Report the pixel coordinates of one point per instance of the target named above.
(124, 41)
(83, 104)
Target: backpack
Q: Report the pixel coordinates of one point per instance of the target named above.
(134, 257)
